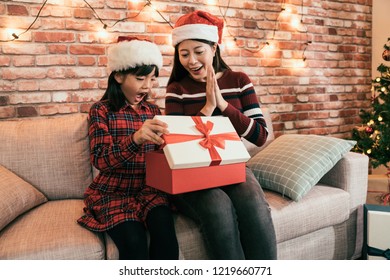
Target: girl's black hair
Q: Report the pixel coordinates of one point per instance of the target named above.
(114, 95)
(179, 72)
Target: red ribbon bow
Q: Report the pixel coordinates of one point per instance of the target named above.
(209, 141)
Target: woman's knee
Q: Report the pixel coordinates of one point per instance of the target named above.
(217, 207)
(206, 204)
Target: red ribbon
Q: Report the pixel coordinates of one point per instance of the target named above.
(209, 141)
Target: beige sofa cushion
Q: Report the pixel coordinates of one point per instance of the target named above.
(50, 232)
(16, 196)
(52, 154)
(321, 207)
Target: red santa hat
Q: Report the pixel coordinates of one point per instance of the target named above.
(130, 52)
(197, 25)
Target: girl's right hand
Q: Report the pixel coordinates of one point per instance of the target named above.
(151, 130)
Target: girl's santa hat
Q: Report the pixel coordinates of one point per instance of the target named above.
(130, 52)
(197, 25)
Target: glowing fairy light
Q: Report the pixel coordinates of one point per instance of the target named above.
(295, 22)
(211, 2)
(102, 33)
(11, 33)
(230, 43)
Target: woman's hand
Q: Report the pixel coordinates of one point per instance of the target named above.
(214, 97)
(151, 130)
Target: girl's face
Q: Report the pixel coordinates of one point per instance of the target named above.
(135, 88)
(195, 56)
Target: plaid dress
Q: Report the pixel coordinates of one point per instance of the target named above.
(118, 193)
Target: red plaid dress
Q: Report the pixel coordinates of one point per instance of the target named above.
(118, 193)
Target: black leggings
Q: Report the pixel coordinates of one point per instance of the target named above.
(131, 239)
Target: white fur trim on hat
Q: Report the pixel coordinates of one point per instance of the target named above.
(194, 31)
(129, 54)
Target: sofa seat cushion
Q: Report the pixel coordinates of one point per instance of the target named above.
(325, 244)
(52, 154)
(321, 207)
(191, 243)
(50, 232)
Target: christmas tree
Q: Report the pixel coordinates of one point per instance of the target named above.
(373, 136)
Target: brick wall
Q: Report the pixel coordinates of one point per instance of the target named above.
(58, 66)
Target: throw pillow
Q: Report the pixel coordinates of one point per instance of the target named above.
(292, 164)
(16, 196)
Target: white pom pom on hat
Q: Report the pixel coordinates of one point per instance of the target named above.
(197, 25)
(130, 52)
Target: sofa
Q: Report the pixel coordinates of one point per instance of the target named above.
(45, 168)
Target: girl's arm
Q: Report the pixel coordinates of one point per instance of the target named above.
(105, 153)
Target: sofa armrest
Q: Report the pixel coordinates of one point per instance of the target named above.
(351, 175)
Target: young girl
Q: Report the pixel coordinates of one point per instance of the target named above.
(235, 220)
(121, 131)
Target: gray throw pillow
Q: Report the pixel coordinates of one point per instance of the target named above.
(292, 164)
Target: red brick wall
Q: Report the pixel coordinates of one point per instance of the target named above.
(58, 67)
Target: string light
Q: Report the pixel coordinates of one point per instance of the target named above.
(299, 63)
(96, 15)
(270, 46)
(16, 36)
(229, 43)
(266, 45)
(12, 33)
(263, 45)
(295, 22)
(303, 53)
(149, 3)
(103, 33)
(287, 9)
(212, 2)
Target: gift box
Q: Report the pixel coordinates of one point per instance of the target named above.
(376, 244)
(378, 183)
(202, 141)
(174, 181)
(199, 153)
(378, 186)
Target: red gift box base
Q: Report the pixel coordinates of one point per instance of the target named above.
(174, 181)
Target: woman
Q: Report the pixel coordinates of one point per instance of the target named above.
(235, 220)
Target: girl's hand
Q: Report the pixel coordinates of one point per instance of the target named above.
(151, 130)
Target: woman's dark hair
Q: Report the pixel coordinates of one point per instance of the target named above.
(114, 95)
(179, 72)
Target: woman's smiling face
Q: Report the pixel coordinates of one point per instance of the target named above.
(195, 56)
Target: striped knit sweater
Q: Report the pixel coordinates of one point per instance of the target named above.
(188, 97)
